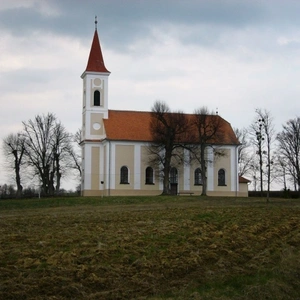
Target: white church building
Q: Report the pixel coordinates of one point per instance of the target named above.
(115, 148)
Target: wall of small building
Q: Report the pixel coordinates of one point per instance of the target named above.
(243, 189)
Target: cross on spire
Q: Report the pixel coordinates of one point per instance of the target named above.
(96, 22)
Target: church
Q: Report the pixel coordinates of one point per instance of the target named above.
(115, 158)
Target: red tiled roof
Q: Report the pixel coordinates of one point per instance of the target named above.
(243, 180)
(135, 126)
(96, 61)
(128, 125)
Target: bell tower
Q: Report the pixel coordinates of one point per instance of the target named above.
(95, 93)
(94, 110)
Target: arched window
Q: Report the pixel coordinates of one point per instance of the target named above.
(173, 175)
(221, 177)
(198, 177)
(124, 175)
(149, 175)
(96, 98)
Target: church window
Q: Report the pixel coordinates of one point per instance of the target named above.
(149, 175)
(124, 175)
(97, 98)
(173, 175)
(221, 177)
(198, 177)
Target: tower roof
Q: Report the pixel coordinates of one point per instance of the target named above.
(96, 61)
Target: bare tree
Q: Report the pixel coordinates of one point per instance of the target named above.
(77, 137)
(245, 157)
(13, 149)
(254, 171)
(289, 147)
(262, 137)
(62, 147)
(257, 139)
(47, 145)
(207, 130)
(281, 169)
(7, 191)
(168, 131)
(74, 153)
(266, 121)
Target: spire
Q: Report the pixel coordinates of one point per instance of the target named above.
(96, 61)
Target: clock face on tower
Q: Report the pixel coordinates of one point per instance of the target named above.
(97, 81)
(96, 126)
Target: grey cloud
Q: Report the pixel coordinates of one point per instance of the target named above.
(123, 22)
(25, 80)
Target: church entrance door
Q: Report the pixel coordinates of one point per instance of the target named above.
(174, 188)
(173, 180)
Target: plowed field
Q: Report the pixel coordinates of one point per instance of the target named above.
(179, 248)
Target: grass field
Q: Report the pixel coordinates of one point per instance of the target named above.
(150, 248)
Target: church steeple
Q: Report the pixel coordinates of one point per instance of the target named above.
(96, 61)
(95, 93)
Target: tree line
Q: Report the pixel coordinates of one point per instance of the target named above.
(43, 152)
(267, 156)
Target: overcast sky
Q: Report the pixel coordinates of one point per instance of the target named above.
(230, 55)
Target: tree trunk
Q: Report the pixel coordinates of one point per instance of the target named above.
(203, 170)
(58, 174)
(18, 181)
(166, 170)
(18, 177)
(166, 188)
(51, 184)
(261, 172)
(204, 186)
(58, 177)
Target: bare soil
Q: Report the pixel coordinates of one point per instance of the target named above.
(187, 249)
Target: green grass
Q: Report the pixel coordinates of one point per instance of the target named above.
(75, 201)
(126, 200)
